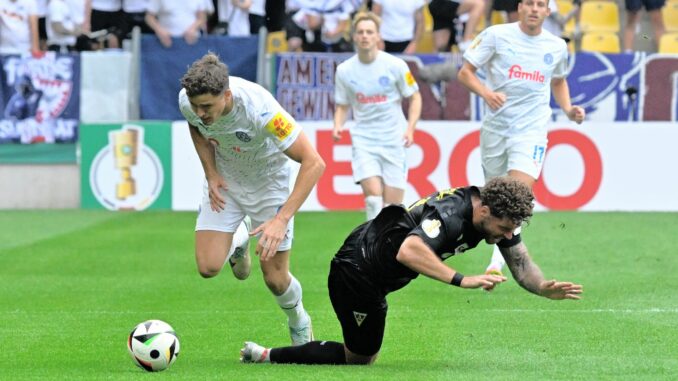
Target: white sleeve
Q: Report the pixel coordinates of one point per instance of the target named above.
(560, 70)
(278, 123)
(406, 83)
(341, 91)
(482, 48)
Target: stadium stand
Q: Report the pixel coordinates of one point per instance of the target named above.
(669, 43)
(599, 16)
(670, 16)
(601, 42)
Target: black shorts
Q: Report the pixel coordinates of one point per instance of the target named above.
(505, 5)
(114, 22)
(650, 5)
(443, 13)
(362, 316)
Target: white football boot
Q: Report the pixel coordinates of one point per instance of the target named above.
(253, 352)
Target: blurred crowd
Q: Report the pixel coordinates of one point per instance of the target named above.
(307, 25)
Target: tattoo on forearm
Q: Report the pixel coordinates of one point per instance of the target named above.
(525, 272)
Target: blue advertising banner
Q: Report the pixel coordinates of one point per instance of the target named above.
(162, 68)
(40, 98)
(611, 87)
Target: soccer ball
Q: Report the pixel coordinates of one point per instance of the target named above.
(153, 345)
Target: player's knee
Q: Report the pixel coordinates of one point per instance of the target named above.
(355, 359)
(208, 272)
(276, 283)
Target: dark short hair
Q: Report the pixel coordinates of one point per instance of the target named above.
(508, 197)
(208, 75)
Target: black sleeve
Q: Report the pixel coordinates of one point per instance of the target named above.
(438, 233)
(510, 242)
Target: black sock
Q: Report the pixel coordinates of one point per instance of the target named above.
(315, 352)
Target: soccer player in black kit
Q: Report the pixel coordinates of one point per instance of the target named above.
(386, 253)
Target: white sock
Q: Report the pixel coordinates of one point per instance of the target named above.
(373, 205)
(240, 236)
(290, 302)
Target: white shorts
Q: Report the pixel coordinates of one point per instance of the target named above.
(500, 154)
(261, 203)
(389, 163)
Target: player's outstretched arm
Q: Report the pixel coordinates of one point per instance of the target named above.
(416, 255)
(529, 275)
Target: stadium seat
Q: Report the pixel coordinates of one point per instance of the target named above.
(599, 16)
(276, 42)
(565, 7)
(670, 16)
(601, 42)
(497, 17)
(669, 43)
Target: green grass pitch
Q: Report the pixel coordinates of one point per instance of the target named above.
(74, 283)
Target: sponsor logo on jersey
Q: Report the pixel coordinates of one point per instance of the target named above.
(242, 136)
(517, 72)
(431, 227)
(359, 317)
(280, 126)
(367, 99)
(409, 79)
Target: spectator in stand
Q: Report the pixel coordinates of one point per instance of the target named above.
(444, 13)
(402, 24)
(65, 20)
(328, 22)
(42, 27)
(555, 22)
(19, 27)
(508, 6)
(134, 13)
(174, 18)
(234, 17)
(654, 10)
(257, 16)
(107, 16)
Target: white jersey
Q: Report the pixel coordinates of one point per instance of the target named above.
(175, 16)
(67, 12)
(397, 19)
(250, 140)
(375, 92)
(15, 31)
(520, 66)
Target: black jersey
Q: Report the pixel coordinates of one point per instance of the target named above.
(443, 221)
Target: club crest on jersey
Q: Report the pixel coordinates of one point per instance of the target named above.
(242, 136)
(548, 58)
(431, 227)
(359, 317)
(383, 80)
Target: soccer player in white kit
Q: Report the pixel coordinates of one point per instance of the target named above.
(373, 83)
(523, 65)
(245, 141)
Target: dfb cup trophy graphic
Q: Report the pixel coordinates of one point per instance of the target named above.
(125, 149)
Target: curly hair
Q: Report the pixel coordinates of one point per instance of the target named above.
(206, 75)
(508, 197)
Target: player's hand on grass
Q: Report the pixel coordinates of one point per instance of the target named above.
(272, 233)
(217, 200)
(576, 114)
(553, 289)
(486, 281)
(495, 100)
